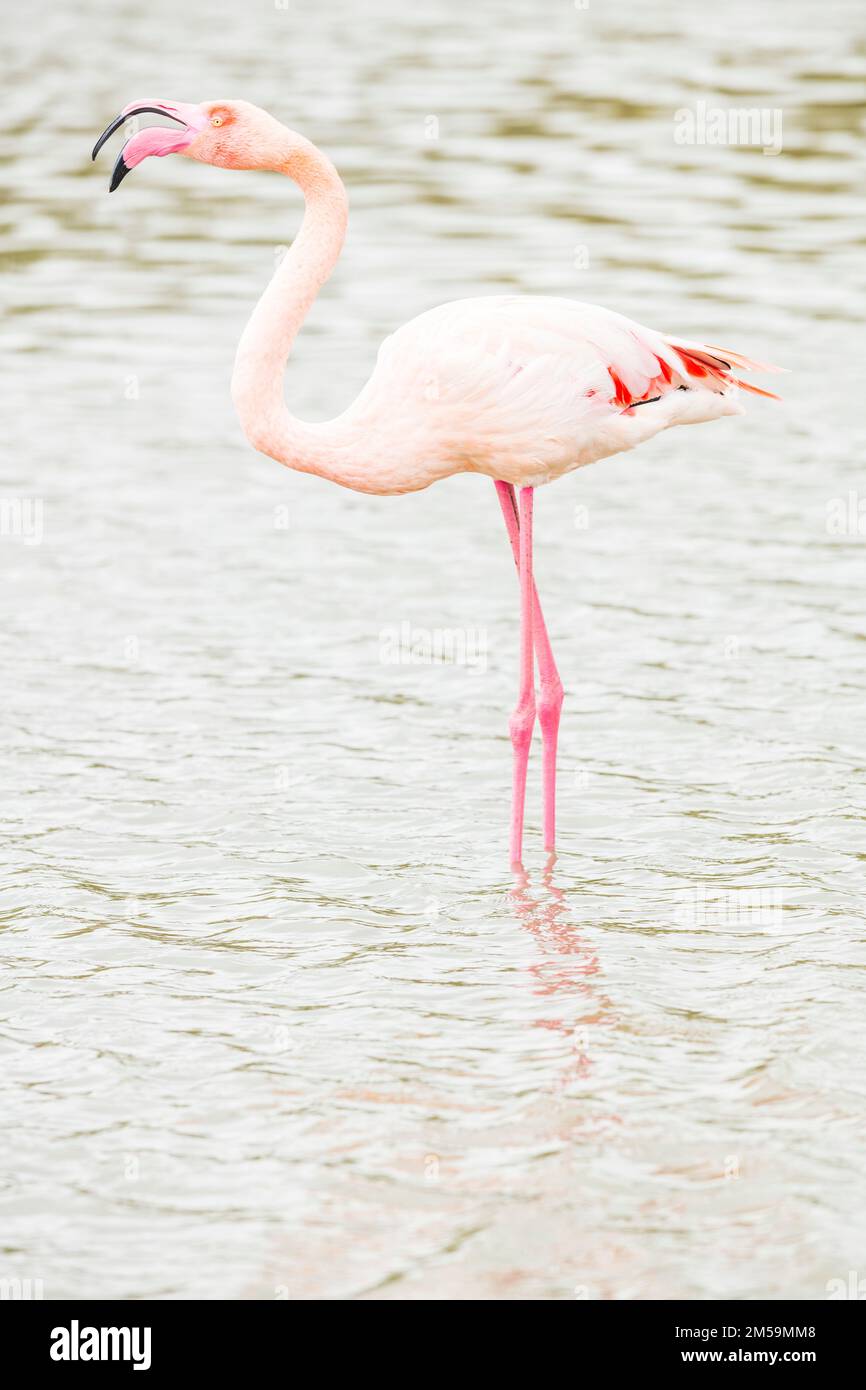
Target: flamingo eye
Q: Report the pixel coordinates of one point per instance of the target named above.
(216, 120)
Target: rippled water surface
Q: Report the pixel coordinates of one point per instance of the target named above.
(277, 1019)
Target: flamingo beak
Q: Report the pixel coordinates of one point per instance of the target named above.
(154, 140)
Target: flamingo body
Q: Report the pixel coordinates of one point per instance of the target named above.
(526, 388)
(521, 388)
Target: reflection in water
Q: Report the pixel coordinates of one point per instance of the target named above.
(569, 983)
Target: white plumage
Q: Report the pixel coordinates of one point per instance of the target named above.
(525, 388)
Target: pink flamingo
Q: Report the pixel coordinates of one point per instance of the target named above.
(522, 388)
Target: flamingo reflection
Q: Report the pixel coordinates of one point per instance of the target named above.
(566, 973)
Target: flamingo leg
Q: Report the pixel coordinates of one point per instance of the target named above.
(551, 694)
(523, 719)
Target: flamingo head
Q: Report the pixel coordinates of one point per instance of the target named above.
(231, 134)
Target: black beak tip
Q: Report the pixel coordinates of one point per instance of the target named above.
(118, 174)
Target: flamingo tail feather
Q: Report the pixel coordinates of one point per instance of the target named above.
(701, 359)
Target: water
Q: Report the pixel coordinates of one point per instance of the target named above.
(277, 1020)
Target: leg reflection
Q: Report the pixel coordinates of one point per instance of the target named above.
(568, 969)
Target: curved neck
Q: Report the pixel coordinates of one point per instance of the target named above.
(265, 344)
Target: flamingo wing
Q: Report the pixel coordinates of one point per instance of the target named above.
(528, 386)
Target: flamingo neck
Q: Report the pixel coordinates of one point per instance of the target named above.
(265, 344)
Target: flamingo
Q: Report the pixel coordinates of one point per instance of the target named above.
(522, 388)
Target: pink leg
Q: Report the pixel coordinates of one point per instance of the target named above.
(523, 718)
(550, 700)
